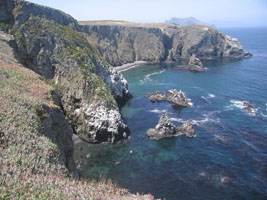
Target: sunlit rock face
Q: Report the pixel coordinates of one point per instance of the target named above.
(126, 42)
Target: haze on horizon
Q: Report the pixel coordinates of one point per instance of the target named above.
(221, 13)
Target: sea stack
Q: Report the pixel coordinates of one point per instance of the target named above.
(165, 128)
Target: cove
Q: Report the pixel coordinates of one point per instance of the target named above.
(226, 159)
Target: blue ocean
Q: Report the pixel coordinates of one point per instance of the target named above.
(228, 157)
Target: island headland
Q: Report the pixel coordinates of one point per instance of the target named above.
(74, 62)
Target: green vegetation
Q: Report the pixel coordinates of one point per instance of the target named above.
(4, 26)
(30, 168)
(75, 46)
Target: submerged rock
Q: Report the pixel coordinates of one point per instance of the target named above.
(248, 107)
(173, 96)
(165, 128)
(248, 55)
(191, 68)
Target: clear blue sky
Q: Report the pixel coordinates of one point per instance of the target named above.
(219, 12)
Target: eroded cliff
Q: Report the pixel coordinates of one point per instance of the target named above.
(125, 42)
(49, 42)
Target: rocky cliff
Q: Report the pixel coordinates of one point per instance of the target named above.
(49, 42)
(36, 146)
(124, 42)
(75, 58)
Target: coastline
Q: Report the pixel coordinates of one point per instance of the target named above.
(128, 66)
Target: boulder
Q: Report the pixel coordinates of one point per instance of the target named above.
(173, 96)
(248, 55)
(195, 61)
(165, 128)
(248, 107)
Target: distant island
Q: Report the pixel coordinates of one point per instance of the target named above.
(188, 21)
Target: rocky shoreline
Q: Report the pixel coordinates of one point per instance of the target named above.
(128, 66)
(159, 43)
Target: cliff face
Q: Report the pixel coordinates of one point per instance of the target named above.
(119, 45)
(54, 45)
(124, 42)
(36, 146)
(30, 111)
(48, 42)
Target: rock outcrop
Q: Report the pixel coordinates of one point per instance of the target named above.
(173, 96)
(248, 107)
(48, 41)
(195, 61)
(194, 64)
(125, 42)
(60, 132)
(165, 128)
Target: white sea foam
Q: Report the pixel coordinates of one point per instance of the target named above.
(264, 116)
(178, 120)
(142, 82)
(190, 102)
(156, 111)
(147, 77)
(196, 87)
(205, 98)
(219, 137)
(211, 95)
(240, 105)
(198, 122)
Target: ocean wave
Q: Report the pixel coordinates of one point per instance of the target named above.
(156, 111)
(264, 116)
(240, 105)
(219, 137)
(196, 87)
(211, 95)
(147, 77)
(198, 122)
(179, 120)
(206, 98)
(190, 102)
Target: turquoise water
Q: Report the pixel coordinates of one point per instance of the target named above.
(227, 159)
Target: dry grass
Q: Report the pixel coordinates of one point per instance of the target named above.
(128, 24)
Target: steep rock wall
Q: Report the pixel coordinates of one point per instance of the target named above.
(48, 42)
(124, 43)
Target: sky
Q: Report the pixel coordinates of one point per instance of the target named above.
(222, 13)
